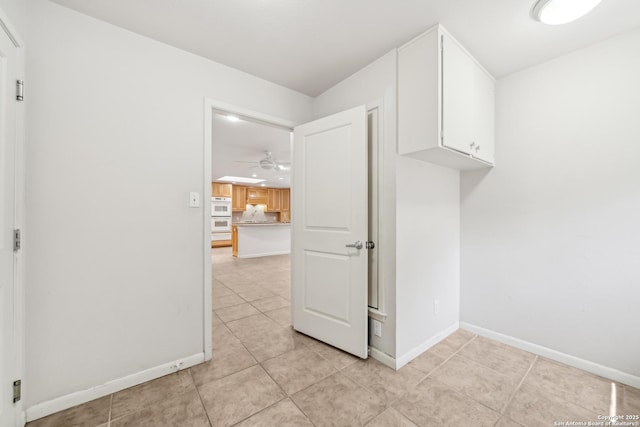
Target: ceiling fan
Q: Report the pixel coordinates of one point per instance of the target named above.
(268, 163)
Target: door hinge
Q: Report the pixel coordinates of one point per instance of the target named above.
(17, 390)
(16, 240)
(20, 90)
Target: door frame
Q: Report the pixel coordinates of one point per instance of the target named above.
(19, 212)
(212, 106)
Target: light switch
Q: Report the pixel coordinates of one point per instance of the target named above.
(194, 199)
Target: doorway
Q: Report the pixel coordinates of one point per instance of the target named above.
(375, 301)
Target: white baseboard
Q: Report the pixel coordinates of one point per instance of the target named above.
(76, 398)
(383, 358)
(418, 350)
(264, 254)
(576, 362)
(397, 363)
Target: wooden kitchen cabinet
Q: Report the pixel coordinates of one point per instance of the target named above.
(257, 195)
(219, 189)
(234, 240)
(446, 103)
(273, 199)
(285, 200)
(285, 205)
(238, 198)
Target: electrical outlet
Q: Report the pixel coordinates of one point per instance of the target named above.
(377, 328)
(436, 306)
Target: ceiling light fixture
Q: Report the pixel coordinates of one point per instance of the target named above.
(557, 12)
(239, 179)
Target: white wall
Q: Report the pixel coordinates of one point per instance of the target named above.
(550, 236)
(428, 253)
(115, 145)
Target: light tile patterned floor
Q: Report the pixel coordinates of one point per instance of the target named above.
(265, 374)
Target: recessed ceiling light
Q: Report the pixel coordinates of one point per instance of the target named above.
(263, 184)
(254, 175)
(240, 179)
(232, 118)
(281, 178)
(557, 12)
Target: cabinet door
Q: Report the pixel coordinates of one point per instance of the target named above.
(256, 195)
(273, 200)
(239, 198)
(484, 115)
(458, 81)
(219, 189)
(285, 201)
(225, 190)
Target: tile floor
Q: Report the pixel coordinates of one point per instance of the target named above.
(265, 374)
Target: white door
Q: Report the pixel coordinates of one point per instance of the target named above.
(329, 213)
(10, 341)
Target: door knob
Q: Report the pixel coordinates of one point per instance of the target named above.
(357, 245)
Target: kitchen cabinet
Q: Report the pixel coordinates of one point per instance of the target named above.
(446, 103)
(220, 243)
(273, 200)
(257, 196)
(219, 189)
(285, 200)
(234, 240)
(238, 198)
(258, 240)
(285, 205)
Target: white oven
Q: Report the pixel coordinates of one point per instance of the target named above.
(221, 206)
(221, 224)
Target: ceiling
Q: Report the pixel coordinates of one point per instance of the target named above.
(310, 45)
(237, 142)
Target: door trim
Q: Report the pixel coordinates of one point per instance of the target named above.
(8, 28)
(212, 106)
(19, 211)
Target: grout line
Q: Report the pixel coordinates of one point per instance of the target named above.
(504, 408)
(428, 374)
(110, 409)
(260, 411)
(302, 412)
(200, 397)
(260, 363)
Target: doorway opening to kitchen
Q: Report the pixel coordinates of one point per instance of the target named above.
(249, 170)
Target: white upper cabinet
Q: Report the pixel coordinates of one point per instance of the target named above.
(446, 103)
